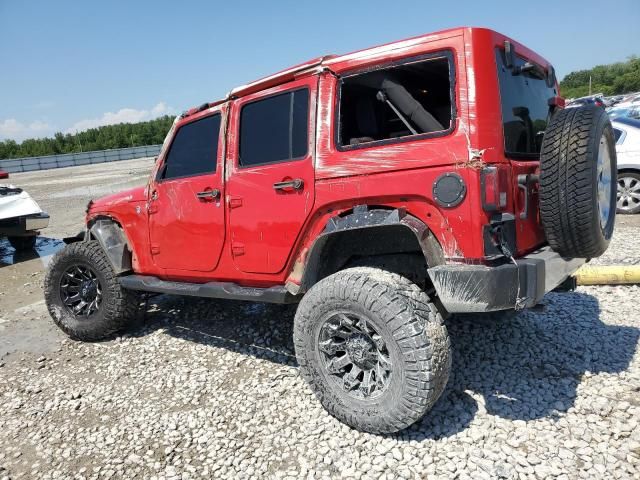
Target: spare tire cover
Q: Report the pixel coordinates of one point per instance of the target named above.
(578, 182)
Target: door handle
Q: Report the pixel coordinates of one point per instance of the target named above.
(523, 184)
(295, 184)
(208, 194)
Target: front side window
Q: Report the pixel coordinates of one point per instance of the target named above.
(274, 129)
(406, 100)
(194, 150)
(525, 90)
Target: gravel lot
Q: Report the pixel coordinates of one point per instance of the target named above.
(201, 389)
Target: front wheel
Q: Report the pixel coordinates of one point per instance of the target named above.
(372, 348)
(83, 294)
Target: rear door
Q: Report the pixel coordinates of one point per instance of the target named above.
(186, 214)
(525, 112)
(270, 189)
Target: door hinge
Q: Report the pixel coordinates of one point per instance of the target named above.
(237, 249)
(235, 202)
(155, 249)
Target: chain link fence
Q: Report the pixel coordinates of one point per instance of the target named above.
(29, 164)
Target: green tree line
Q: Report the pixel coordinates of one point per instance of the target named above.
(612, 79)
(102, 138)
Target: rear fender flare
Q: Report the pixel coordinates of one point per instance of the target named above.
(376, 221)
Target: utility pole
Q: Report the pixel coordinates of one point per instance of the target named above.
(589, 85)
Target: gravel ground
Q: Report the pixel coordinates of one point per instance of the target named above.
(204, 388)
(201, 389)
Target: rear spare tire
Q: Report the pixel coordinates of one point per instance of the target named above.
(578, 182)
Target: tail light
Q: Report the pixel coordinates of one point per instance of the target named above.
(494, 185)
(557, 102)
(4, 174)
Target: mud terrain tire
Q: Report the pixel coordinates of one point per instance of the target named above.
(401, 325)
(117, 306)
(578, 182)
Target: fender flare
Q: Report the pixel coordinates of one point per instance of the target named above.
(114, 243)
(362, 218)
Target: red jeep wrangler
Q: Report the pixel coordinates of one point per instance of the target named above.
(382, 190)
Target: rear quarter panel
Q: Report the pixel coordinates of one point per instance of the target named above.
(402, 174)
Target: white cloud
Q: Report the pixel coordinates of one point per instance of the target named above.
(18, 131)
(124, 115)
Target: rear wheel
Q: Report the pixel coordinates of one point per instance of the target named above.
(628, 195)
(578, 182)
(20, 244)
(373, 348)
(83, 294)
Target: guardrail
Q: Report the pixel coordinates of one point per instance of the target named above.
(29, 164)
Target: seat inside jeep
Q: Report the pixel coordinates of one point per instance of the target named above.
(410, 99)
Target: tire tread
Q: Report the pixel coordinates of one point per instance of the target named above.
(414, 323)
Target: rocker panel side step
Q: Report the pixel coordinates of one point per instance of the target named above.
(224, 290)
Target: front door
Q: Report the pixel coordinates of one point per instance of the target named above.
(186, 212)
(270, 190)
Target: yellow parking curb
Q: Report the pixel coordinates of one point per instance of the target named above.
(608, 274)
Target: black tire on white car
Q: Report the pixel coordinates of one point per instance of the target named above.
(23, 243)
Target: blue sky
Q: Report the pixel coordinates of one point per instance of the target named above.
(70, 65)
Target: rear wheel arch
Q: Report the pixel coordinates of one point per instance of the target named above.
(370, 231)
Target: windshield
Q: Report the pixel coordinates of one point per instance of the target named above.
(525, 107)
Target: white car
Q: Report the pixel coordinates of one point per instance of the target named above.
(627, 132)
(20, 217)
(630, 111)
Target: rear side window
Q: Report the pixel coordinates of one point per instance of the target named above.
(274, 129)
(194, 150)
(525, 107)
(406, 100)
(617, 134)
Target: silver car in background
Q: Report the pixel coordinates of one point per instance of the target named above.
(627, 132)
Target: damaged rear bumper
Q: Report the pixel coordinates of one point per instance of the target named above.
(481, 288)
